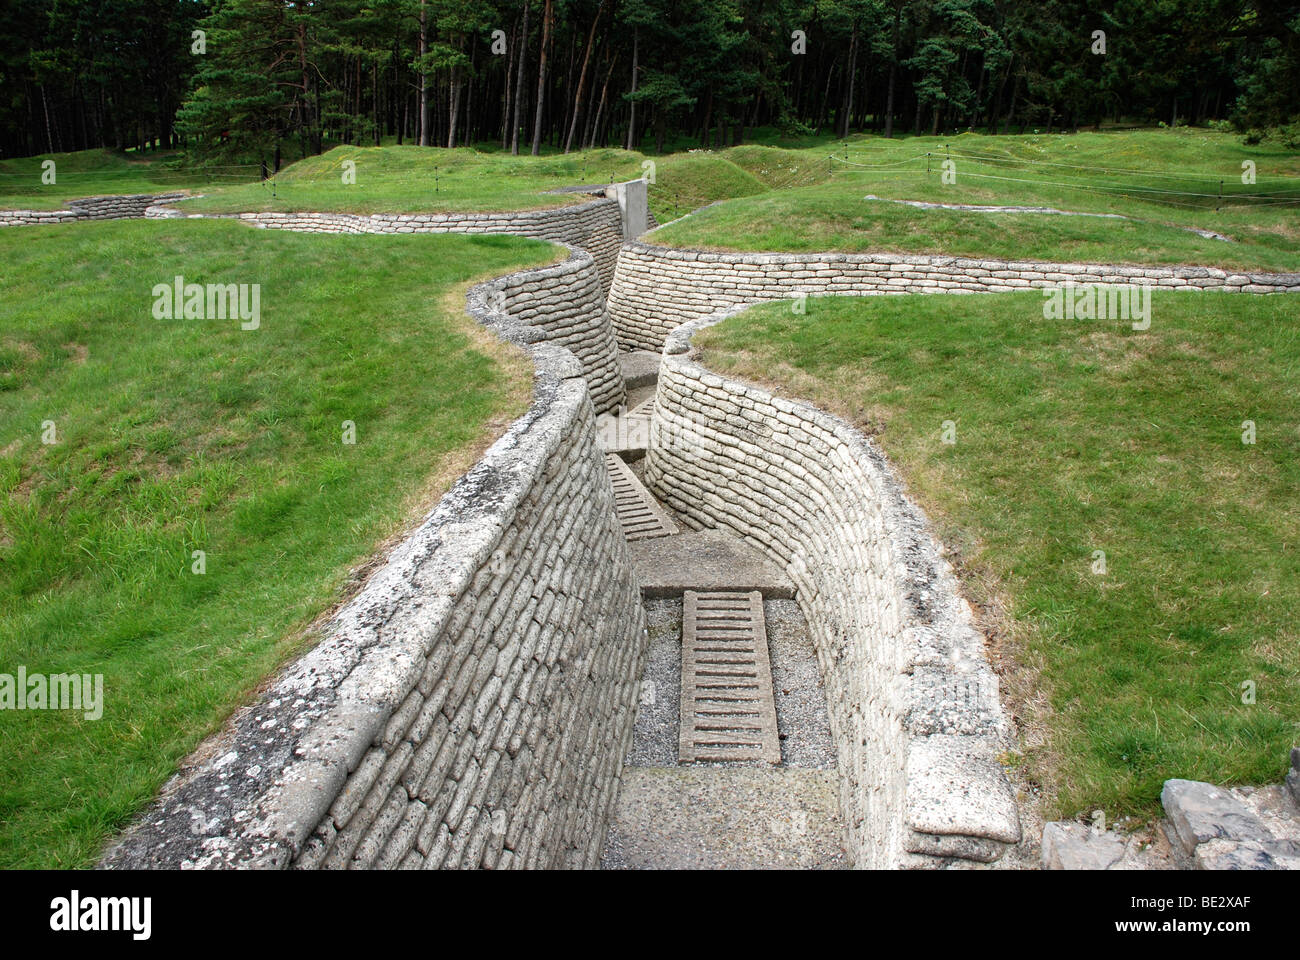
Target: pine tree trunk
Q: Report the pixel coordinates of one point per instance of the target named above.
(453, 107)
(49, 135)
(557, 133)
(1011, 110)
(519, 85)
(469, 115)
(507, 93)
(826, 95)
(893, 76)
(582, 79)
(636, 62)
(848, 86)
(424, 79)
(541, 79)
(600, 109)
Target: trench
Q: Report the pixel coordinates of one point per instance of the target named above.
(679, 810)
(607, 648)
(883, 713)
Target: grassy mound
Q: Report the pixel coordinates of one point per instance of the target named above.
(1166, 183)
(90, 173)
(410, 179)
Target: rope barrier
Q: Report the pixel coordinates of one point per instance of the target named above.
(876, 166)
(989, 158)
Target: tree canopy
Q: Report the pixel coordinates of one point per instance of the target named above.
(245, 78)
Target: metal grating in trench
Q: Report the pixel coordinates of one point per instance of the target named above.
(728, 709)
(639, 513)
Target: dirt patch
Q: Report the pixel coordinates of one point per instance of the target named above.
(1116, 352)
(22, 348)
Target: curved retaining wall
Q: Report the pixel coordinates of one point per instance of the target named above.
(655, 289)
(570, 311)
(913, 702)
(565, 305)
(472, 706)
(89, 208)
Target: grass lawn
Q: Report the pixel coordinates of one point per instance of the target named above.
(817, 205)
(175, 436)
(91, 173)
(389, 179)
(1074, 437)
(401, 179)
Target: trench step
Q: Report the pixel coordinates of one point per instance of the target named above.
(640, 367)
(639, 513)
(728, 709)
(706, 560)
(627, 430)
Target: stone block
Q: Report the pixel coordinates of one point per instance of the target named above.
(1078, 846)
(1200, 812)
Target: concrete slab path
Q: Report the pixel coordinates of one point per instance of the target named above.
(708, 560)
(732, 818)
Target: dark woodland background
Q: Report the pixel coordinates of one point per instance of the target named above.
(290, 79)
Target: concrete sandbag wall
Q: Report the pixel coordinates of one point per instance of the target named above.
(89, 208)
(913, 703)
(655, 289)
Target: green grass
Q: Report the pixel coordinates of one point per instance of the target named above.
(770, 196)
(1078, 436)
(818, 205)
(409, 179)
(183, 435)
(389, 179)
(91, 173)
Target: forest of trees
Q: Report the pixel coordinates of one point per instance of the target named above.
(266, 76)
